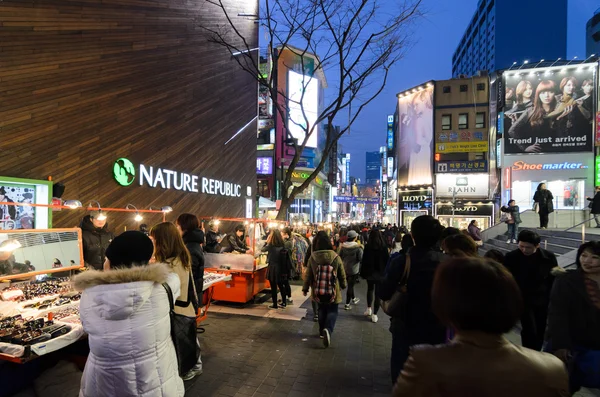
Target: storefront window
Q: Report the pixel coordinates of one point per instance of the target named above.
(567, 194)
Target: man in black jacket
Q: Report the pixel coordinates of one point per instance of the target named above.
(418, 325)
(531, 266)
(96, 238)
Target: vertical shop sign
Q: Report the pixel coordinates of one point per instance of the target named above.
(597, 175)
(390, 132)
(597, 128)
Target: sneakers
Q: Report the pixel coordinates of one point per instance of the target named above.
(356, 300)
(273, 307)
(191, 374)
(374, 318)
(290, 301)
(326, 338)
(508, 241)
(368, 312)
(514, 241)
(347, 306)
(315, 318)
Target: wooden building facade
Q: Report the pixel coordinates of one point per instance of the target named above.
(84, 83)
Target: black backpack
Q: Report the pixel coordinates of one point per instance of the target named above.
(286, 267)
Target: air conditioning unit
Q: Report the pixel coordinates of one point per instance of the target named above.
(482, 73)
(463, 76)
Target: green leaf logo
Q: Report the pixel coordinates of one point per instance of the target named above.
(124, 172)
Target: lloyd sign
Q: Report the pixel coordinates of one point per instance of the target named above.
(125, 174)
(462, 185)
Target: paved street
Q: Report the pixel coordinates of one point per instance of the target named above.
(253, 356)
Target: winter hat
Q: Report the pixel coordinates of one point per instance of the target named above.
(352, 235)
(130, 248)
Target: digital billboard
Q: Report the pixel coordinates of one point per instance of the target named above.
(297, 123)
(549, 110)
(415, 137)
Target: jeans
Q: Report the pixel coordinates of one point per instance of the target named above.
(328, 313)
(372, 292)
(282, 289)
(513, 230)
(544, 218)
(400, 348)
(533, 326)
(350, 292)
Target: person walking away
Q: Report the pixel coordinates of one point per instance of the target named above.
(460, 246)
(417, 324)
(351, 253)
(326, 278)
(397, 243)
(389, 236)
(595, 206)
(480, 301)
(375, 258)
(274, 246)
(169, 248)
(475, 232)
(96, 238)
(513, 218)
(315, 307)
(125, 313)
(531, 266)
(573, 332)
(543, 201)
(193, 238)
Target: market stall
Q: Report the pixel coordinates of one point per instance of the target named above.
(248, 270)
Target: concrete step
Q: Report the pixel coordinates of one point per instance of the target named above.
(548, 242)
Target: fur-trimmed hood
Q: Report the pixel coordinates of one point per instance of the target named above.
(157, 273)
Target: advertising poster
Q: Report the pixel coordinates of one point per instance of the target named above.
(462, 147)
(303, 95)
(550, 110)
(415, 138)
(16, 217)
(462, 185)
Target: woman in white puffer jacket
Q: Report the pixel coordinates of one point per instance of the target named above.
(125, 312)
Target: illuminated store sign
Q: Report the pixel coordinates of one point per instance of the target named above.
(522, 165)
(390, 132)
(124, 173)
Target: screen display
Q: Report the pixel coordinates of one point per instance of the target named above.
(415, 137)
(297, 122)
(549, 110)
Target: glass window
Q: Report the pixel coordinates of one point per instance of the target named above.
(464, 88)
(446, 122)
(480, 120)
(463, 121)
(480, 86)
(446, 89)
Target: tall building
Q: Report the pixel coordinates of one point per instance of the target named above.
(592, 35)
(373, 174)
(505, 31)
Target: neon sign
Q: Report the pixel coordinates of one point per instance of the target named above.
(523, 166)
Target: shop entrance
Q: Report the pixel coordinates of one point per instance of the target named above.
(406, 217)
(568, 194)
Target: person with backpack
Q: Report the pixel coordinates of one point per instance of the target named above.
(351, 253)
(325, 276)
(374, 261)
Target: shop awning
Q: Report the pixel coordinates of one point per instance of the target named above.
(265, 203)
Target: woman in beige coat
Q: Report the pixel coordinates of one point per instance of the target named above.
(169, 248)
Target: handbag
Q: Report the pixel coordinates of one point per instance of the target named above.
(396, 305)
(185, 339)
(536, 207)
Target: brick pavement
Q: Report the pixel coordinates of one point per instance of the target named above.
(253, 356)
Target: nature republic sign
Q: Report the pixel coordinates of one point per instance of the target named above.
(125, 173)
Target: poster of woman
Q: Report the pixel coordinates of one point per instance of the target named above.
(552, 110)
(415, 134)
(16, 217)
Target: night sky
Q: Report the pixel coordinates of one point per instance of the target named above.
(436, 38)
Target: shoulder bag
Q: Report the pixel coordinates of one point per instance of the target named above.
(396, 305)
(185, 339)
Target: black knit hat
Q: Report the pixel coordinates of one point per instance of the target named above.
(130, 248)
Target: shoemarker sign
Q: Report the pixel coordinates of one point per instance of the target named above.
(125, 174)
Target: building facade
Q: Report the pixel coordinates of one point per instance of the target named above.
(373, 168)
(592, 35)
(121, 110)
(462, 143)
(500, 33)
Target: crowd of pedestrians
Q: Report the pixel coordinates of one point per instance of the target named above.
(452, 308)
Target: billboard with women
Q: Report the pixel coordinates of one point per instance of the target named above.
(415, 137)
(549, 110)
